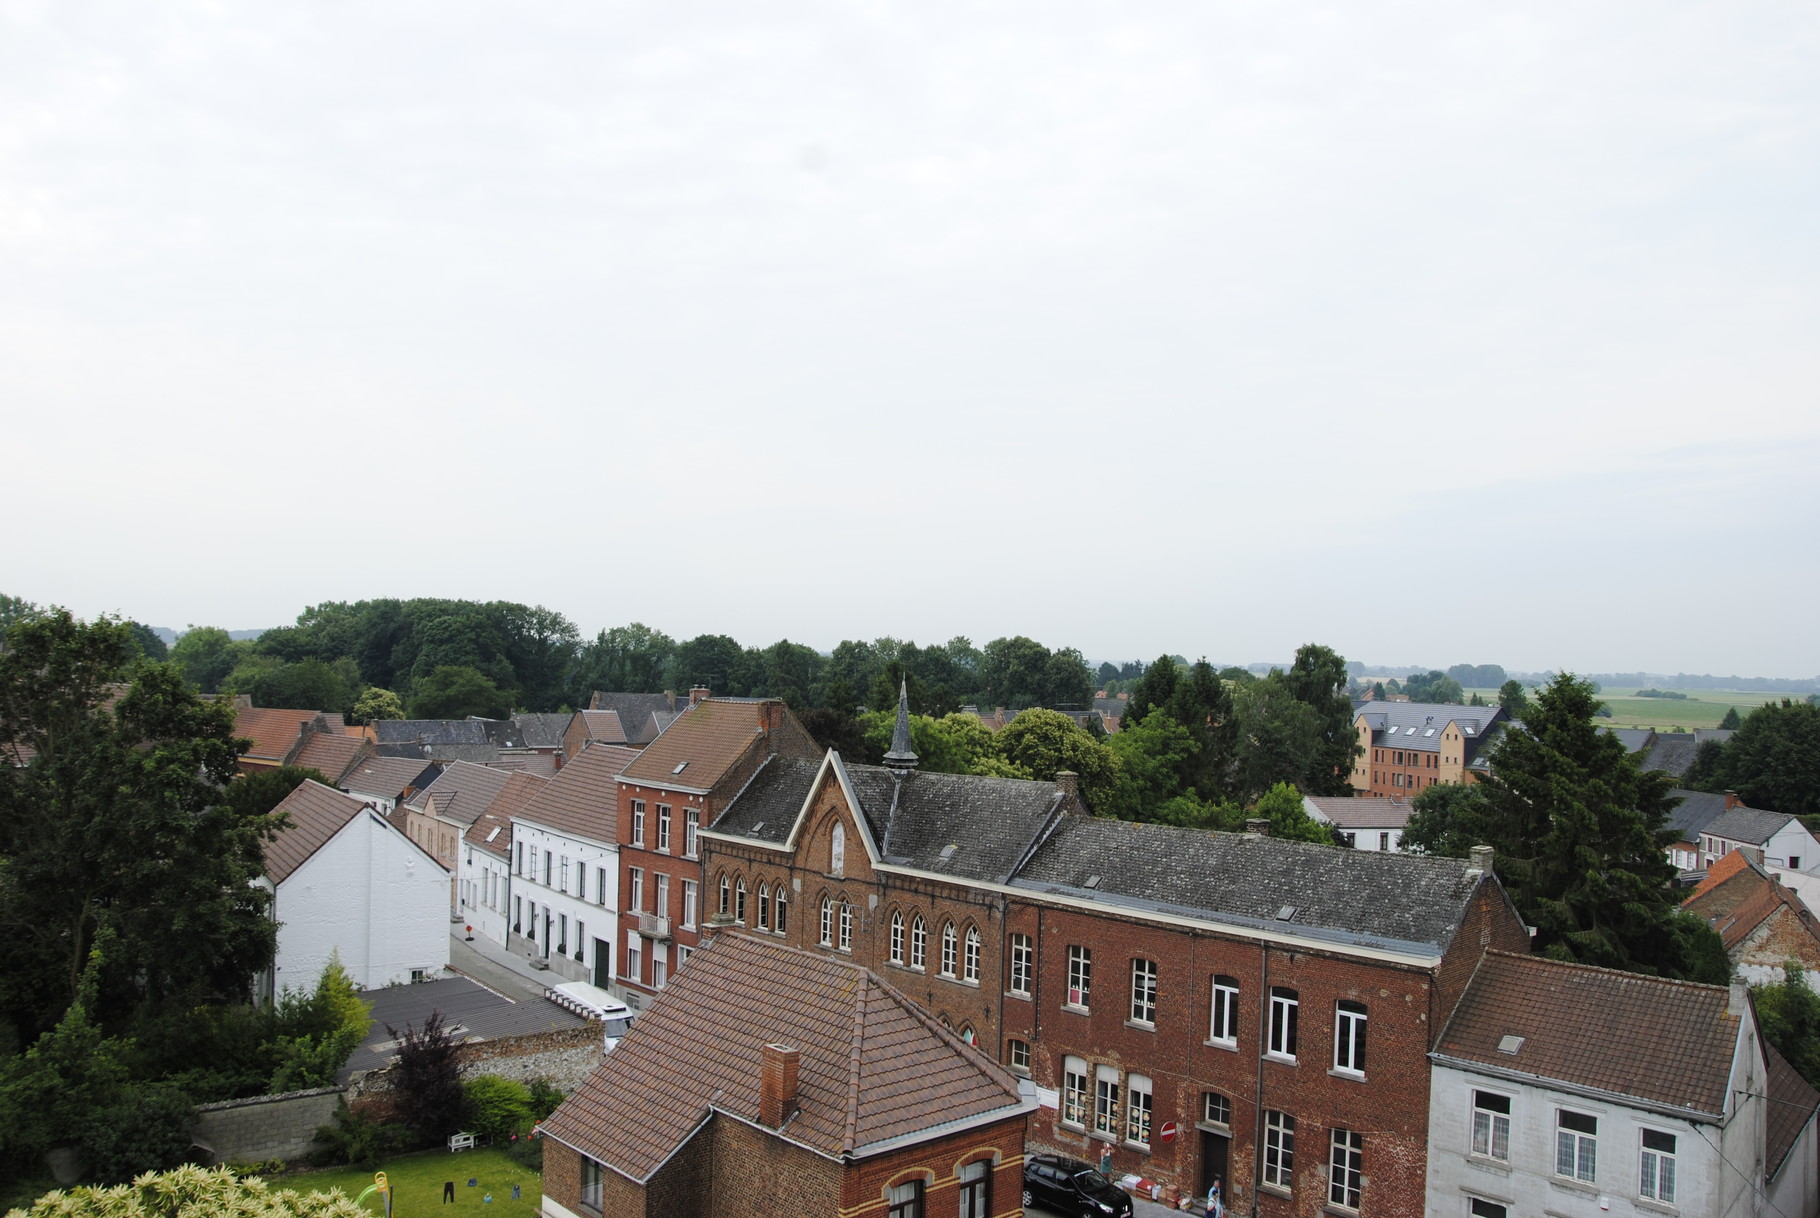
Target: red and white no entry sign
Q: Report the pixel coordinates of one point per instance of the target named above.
(1167, 1132)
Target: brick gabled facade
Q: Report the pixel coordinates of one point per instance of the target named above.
(1020, 899)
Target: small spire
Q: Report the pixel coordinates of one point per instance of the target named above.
(902, 756)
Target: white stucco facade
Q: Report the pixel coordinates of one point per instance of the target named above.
(564, 898)
(1516, 1167)
(372, 895)
(485, 888)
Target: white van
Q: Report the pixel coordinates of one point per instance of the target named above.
(592, 1002)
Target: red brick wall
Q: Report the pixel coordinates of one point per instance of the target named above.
(1490, 923)
(864, 1189)
(757, 1174)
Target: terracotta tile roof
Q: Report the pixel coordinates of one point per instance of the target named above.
(873, 1067)
(317, 814)
(1667, 1042)
(1738, 895)
(332, 754)
(387, 777)
(462, 792)
(706, 740)
(583, 799)
(492, 829)
(272, 731)
(1720, 872)
(541, 764)
(1791, 1106)
(602, 725)
(1367, 812)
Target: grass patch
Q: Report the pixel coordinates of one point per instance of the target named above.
(417, 1182)
(1701, 707)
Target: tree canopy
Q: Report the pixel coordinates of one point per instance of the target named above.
(1772, 761)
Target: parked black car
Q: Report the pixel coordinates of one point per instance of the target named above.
(1072, 1188)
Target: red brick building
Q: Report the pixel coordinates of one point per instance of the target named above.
(771, 1081)
(1189, 1004)
(676, 787)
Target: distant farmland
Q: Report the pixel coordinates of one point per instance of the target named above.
(1702, 707)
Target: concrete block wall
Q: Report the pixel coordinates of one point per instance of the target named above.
(265, 1126)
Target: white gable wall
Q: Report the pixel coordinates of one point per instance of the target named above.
(371, 895)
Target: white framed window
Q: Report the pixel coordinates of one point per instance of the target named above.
(949, 942)
(970, 956)
(565, 873)
(780, 910)
(919, 942)
(581, 937)
(692, 832)
(764, 907)
(1022, 958)
(1576, 1145)
(600, 885)
(905, 1200)
(634, 961)
(636, 889)
(1074, 1092)
(691, 903)
(739, 900)
(1143, 993)
(638, 822)
(1080, 976)
(897, 938)
(549, 869)
(1106, 1100)
(1491, 1125)
(1223, 1021)
(1216, 1109)
(1279, 1149)
(1346, 1169)
(1017, 1054)
(827, 927)
(663, 827)
(1349, 1037)
(1285, 1008)
(846, 927)
(660, 966)
(1137, 1109)
(1657, 1169)
(726, 896)
(663, 895)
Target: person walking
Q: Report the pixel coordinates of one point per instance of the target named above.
(1216, 1208)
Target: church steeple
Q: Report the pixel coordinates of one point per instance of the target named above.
(902, 756)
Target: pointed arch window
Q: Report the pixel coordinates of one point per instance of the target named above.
(827, 927)
(897, 938)
(726, 895)
(779, 911)
(970, 959)
(949, 942)
(764, 907)
(846, 927)
(739, 900)
(837, 850)
(919, 943)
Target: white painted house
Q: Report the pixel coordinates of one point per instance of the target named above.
(1364, 822)
(345, 880)
(1782, 842)
(565, 869)
(1581, 1092)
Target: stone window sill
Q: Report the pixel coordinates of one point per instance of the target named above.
(1072, 1009)
(1231, 1046)
(1016, 995)
(1141, 1025)
(1355, 1076)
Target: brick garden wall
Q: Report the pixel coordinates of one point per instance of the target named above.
(565, 1056)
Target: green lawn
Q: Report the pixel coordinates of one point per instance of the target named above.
(1702, 708)
(417, 1182)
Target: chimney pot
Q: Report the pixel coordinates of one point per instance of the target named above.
(1732, 800)
(1069, 782)
(698, 693)
(777, 1084)
(1259, 825)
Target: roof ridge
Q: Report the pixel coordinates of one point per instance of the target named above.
(1616, 972)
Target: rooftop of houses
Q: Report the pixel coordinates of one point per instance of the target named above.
(600, 725)
(641, 716)
(542, 730)
(1667, 1043)
(316, 814)
(704, 742)
(1419, 725)
(331, 754)
(461, 792)
(1739, 894)
(1791, 1106)
(1669, 752)
(583, 799)
(1361, 812)
(274, 730)
(1696, 811)
(872, 1069)
(1752, 826)
(492, 829)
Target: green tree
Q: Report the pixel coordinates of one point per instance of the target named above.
(540, 645)
(151, 646)
(1580, 831)
(308, 685)
(1015, 672)
(427, 1081)
(254, 795)
(624, 660)
(1789, 1011)
(1773, 760)
(1732, 721)
(1447, 819)
(16, 609)
(1317, 680)
(375, 704)
(456, 693)
(205, 655)
(1512, 698)
(1153, 754)
(1043, 742)
(706, 660)
(1289, 818)
(1155, 688)
(117, 825)
(1433, 687)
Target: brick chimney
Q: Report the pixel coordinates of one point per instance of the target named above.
(777, 1085)
(1259, 825)
(698, 693)
(1732, 801)
(1068, 783)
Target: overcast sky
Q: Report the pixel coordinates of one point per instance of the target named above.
(1433, 332)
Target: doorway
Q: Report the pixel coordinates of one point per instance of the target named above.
(603, 964)
(1214, 1147)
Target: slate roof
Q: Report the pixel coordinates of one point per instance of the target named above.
(765, 809)
(1695, 812)
(583, 799)
(317, 814)
(707, 740)
(462, 792)
(1666, 1042)
(1406, 725)
(1671, 753)
(331, 754)
(474, 754)
(1634, 739)
(1365, 812)
(541, 731)
(431, 731)
(990, 823)
(635, 712)
(1366, 898)
(873, 1067)
(389, 776)
(1791, 1106)
(273, 731)
(1752, 825)
(541, 764)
